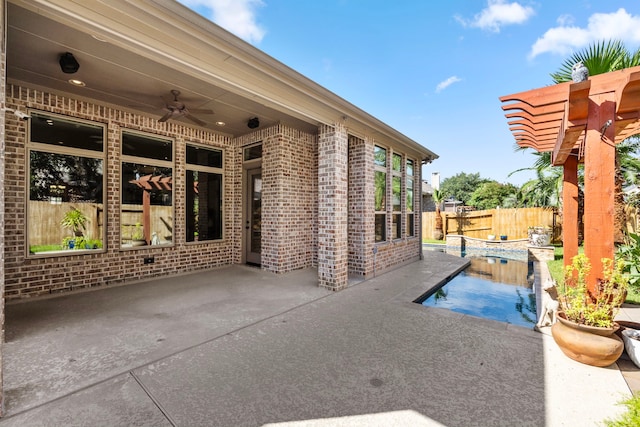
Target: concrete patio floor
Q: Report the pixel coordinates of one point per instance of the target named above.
(238, 346)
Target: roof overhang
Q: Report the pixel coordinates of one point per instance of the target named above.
(131, 53)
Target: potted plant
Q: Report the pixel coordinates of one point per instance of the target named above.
(585, 327)
(76, 221)
(137, 235)
(539, 236)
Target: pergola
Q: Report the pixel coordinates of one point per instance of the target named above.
(581, 123)
(150, 183)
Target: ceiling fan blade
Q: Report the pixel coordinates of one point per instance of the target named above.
(200, 111)
(195, 119)
(166, 117)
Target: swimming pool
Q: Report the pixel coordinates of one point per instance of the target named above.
(492, 288)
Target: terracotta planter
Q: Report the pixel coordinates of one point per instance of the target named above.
(590, 345)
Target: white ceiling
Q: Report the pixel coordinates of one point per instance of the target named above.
(132, 54)
(120, 77)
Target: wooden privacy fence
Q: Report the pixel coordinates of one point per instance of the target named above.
(479, 224)
(45, 228)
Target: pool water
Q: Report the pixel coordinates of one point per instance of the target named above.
(492, 288)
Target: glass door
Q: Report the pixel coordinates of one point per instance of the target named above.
(253, 227)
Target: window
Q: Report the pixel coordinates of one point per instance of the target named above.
(146, 217)
(380, 193)
(253, 152)
(204, 194)
(65, 209)
(396, 193)
(409, 192)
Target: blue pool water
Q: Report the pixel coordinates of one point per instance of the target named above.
(490, 287)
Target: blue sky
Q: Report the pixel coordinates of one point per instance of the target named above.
(433, 70)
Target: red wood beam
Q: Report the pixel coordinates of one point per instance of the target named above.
(570, 209)
(599, 172)
(146, 216)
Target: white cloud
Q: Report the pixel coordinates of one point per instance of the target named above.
(564, 38)
(446, 83)
(236, 16)
(497, 14)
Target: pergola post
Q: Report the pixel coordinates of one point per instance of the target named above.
(599, 183)
(570, 220)
(587, 118)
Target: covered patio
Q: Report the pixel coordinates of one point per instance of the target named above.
(278, 350)
(581, 123)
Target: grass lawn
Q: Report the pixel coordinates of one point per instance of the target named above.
(556, 271)
(44, 248)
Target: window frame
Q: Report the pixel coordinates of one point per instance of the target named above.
(396, 210)
(378, 168)
(208, 169)
(410, 228)
(31, 146)
(125, 158)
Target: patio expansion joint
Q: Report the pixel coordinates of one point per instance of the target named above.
(155, 401)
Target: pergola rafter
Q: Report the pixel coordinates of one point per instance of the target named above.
(581, 122)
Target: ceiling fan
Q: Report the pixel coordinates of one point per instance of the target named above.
(176, 109)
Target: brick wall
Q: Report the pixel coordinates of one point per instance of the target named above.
(26, 277)
(317, 205)
(393, 253)
(3, 74)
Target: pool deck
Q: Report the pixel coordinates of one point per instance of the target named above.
(241, 347)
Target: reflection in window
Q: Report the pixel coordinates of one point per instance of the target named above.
(252, 153)
(410, 215)
(380, 193)
(65, 211)
(204, 194)
(146, 216)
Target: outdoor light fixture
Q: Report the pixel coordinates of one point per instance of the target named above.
(19, 114)
(604, 128)
(253, 123)
(68, 63)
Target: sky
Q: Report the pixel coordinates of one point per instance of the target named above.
(433, 70)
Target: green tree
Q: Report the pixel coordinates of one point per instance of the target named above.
(491, 194)
(461, 186)
(545, 190)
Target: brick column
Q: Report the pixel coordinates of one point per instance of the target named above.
(3, 91)
(332, 207)
(361, 226)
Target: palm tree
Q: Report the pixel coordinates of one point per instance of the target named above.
(602, 58)
(438, 198)
(599, 58)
